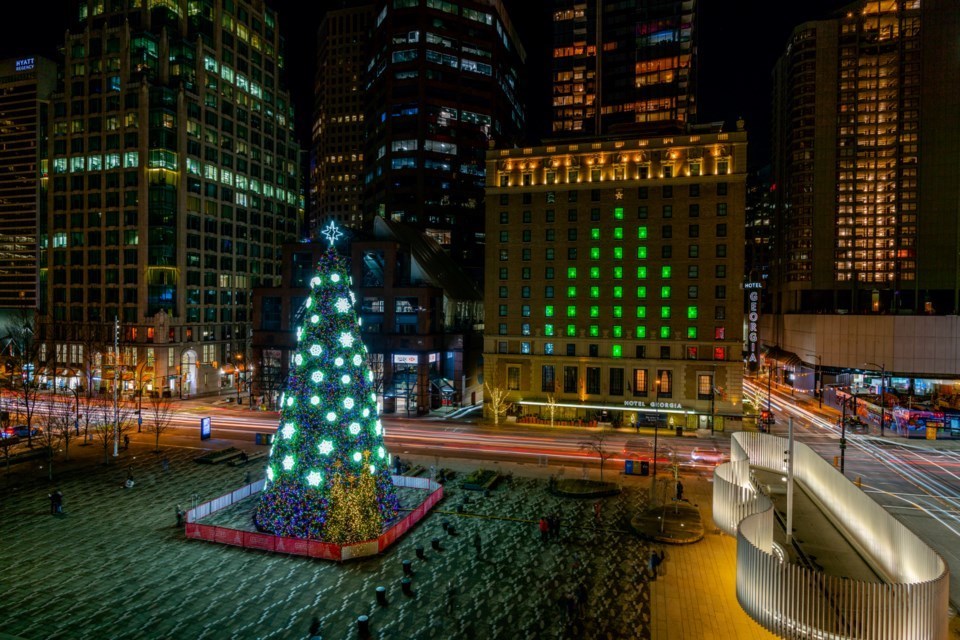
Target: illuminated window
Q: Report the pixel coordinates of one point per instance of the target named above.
(642, 233)
(618, 253)
(664, 332)
(617, 351)
(594, 292)
(641, 273)
(548, 311)
(641, 312)
(572, 273)
(692, 313)
(719, 353)
(641, 292)
(664, 312)
(665, 272)
(618, 312)
(692, 333)
(571, 311)
(719, 333)
(618, 233)
(617, 331)
(665, 292)
(641, 332)
(571, 292)
(548, 329)
(594, 253)
(594, 311)
(618, 213)
(618, 292)
(618, 273)
(595, 234)
(571, 330)
(642, 253)
(594, 272)
(594, 331)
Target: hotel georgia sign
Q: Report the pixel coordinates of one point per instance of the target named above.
(753, 319)
(643, 404)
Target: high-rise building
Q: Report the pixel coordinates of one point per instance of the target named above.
(25, 87)
(613, 278)
(444, 84)
(339, 126)
(174, 181)
(622, 66)
(866, 161)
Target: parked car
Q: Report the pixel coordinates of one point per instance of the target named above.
(20, 431)
(707, 455)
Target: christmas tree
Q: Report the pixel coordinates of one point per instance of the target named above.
(328, 477)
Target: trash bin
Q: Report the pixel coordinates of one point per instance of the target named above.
(679, 432)
(263, 438)
(644, 467)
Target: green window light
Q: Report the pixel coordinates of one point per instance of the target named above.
(664, 292)
(572, 273)
(618, 312)
(548, 311)
(641, 312)
(692, 333)
(617, 351)
(641, 332)
(595, 273)
(641, 273)
(664, 312)
(548, 329)
(618, 233)
(594, 311)
(571, 311)
(618, 292)
(642, 253)
(618, 213)
(617, 331)
(641, 233)
(594, 253)
(618, 273)
(665, 272)
(618, 253)
(594, 292)
(571, 330)
(692, 313)
(571, 292)
(594, 330)
(595, 233)
(641, 292)
(664, 332)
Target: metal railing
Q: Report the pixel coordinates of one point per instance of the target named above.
(798, 602)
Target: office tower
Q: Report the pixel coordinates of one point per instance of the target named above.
(622, 67)
(613, 278)
(174, 181)
(338, 127)
(25, 86)
(443, 83)
(867, 161)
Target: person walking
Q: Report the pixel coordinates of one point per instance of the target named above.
(652, 563)
(679, 491)
(544, 529)
(555, 526)
(478, 544)
(451, 596)
(596, 511)
(56, 502)
(180, 515)
(165, 463)
(126, 442)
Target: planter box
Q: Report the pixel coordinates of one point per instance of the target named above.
(488, 481)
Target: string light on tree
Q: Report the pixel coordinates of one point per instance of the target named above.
(322, 480)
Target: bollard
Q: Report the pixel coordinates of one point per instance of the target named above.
(405, 587)
(445, 524)
(420, 554)
(407, 568)
(459, 510)
(363, 626)
(451, 531)
(382, 596)
(858, 481)
(435, 543)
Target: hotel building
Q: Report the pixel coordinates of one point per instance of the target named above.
(613, 278)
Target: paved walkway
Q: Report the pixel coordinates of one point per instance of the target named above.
(116, 566)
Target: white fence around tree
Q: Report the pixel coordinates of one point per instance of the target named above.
(798, 602)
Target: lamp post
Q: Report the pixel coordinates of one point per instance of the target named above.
(883, 370)
(238, 357)
(818, 378)
(656, 428)
(76, 423)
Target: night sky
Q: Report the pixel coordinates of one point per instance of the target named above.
(738, 45)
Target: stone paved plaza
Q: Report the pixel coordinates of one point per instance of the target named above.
(116, 566)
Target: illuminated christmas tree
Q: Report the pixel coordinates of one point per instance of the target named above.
(328, 477)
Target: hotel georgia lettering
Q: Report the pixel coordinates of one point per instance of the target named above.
(753, 318)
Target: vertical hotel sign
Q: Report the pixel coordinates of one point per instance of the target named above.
(753, 319)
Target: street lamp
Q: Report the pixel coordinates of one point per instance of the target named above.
(818, 378)
(656, 429)
(883, 370)
(238, 357)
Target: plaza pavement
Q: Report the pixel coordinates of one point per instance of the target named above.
(115, 566)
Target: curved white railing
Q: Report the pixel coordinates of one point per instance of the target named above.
(797, 602)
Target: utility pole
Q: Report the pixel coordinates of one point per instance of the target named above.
(843, 440)
(789, 453)
(116, 385)
(883, 371)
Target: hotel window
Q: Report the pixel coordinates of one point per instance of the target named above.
(513, 378)
(704, 386)
(720, 292)
(525, 346)
(721, 251)
(721, 209)
(719, 353)
(547, 378)
(502, 329)
(593, 379)
(719, 333)
(524, 292)
(665, 383)
(616, 379)
(569, 378)
(691, 353)
(525, 329)
(639, 383)
(721, 188)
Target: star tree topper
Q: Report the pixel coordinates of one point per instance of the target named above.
(332, 233)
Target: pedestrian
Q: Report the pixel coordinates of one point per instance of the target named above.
(129, 483)
(652, 563)
(126, 441)
(165, 463)
(246, 478)
(315, 628)
(679, 491)
(180, 515)
(56, 499)
(555, 526)
(544, 529)
(477, 544)
(451, 596)
(596, 511)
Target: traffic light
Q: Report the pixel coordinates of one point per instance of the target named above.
(765, 420)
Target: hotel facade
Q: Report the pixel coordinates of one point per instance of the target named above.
(613, 279)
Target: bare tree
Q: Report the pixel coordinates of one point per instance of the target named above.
(62, 417)
(498, 398)
(27, 359)
(100, 420)
(599, 443)
(160, 415)
(5, 445)
(58, 423)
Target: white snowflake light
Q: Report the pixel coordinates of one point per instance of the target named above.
(355, 428)
(314, 478)
(298, 359)
(380, 452)
(335, 277)
(378, 428)
(314, 318)
(331, 416)
(338, 362)
(345, 379)
(370, 376)
(289, 402)
(299, 333)
(309, 302)
(270, 473)
(317, 376)
(353, 297)
(346, 339)
(348, 403)
(288, 431)
(357, 360)
(326, 447)
(314, 282)
(288, 463)
(342, 305)
(373, 469)
(373, 397)
(357, 456)
(315, 400)
(315, 349)
(366, 413)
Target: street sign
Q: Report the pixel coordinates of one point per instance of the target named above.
(204, 428)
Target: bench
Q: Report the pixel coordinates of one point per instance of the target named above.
(239, 461)
(216, 457)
